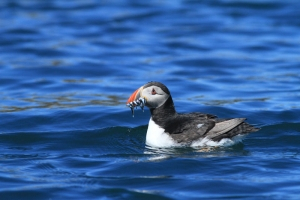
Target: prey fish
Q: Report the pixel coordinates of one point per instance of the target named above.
(140, 102)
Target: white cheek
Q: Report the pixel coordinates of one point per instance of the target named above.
(154, 101)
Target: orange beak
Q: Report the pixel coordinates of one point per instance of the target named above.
(134, 95)
(134, 100)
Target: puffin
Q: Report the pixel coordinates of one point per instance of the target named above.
(167, 128)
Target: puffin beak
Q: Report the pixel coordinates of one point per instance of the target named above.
(136, 100)
(134, 96)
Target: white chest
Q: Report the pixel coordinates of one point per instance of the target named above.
(157, 137)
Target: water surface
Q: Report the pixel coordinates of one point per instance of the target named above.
(67, 69)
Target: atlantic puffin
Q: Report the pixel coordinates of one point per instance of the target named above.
(168, 128)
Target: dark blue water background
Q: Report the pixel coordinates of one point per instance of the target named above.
(68, 67)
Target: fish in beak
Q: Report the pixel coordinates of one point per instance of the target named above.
(136, 100)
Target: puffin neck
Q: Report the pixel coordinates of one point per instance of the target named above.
(165, 111)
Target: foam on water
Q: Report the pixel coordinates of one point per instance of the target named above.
(225, 142)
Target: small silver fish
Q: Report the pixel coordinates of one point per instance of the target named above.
(140, 102)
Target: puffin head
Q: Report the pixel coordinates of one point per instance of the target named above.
(153, 95)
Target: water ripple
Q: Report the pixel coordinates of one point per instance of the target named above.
(67, 68)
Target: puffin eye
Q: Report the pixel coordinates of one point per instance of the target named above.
(153, 92)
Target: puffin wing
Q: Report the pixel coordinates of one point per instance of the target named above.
(186, 128)
(223, 127)
(191, 127)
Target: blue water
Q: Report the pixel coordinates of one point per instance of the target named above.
(68, 67)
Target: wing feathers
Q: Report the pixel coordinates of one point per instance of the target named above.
(224, 126)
